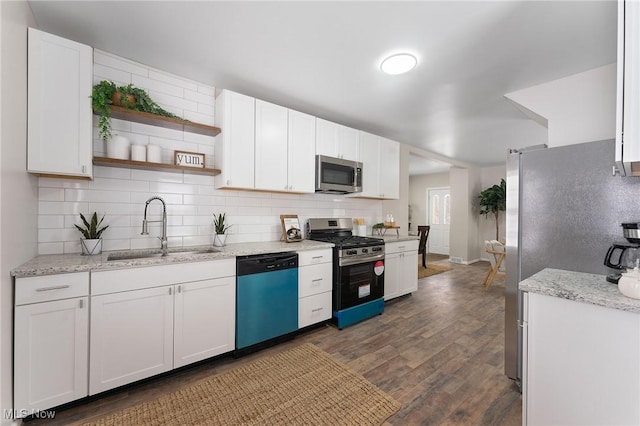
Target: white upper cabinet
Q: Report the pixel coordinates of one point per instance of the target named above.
(302, 148)
(336, 140)
(234, 147)
(60, 77)
(627, 153)
(271, 146)
(380, 167)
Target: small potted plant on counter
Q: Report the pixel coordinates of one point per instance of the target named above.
(91, 231)
(220, 228)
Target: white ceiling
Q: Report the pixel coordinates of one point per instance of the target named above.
(323, 57)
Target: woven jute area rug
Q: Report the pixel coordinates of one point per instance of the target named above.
(431, 269)
(301, 386)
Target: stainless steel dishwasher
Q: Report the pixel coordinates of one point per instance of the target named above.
(266, 297)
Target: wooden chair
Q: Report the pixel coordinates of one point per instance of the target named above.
(496, 252)
(423, 232)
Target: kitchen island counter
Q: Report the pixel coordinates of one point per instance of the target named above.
(580, 287)
(75, 262)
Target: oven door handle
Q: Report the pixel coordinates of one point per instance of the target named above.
(358, 260)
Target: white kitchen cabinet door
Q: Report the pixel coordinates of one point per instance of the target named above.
(271, 149)
(131, 337)
(627, 153)
(582, 364)
(302, 148)
(51, 354)
(336, 140)
(389, 169)
(392, 275)
(204, 324)
(60, 77)
(370, 158)
(380, 159)
(401, 268)
(234, 150)
(348, 143)
(327, 138)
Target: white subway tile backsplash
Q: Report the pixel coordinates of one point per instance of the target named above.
(172, 79)
(151, 85)
(192, 200)
(102, 72)
(198, 117)
(107, 59)
(51, 194)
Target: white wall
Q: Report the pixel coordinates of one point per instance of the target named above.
(418, 186)
(578, 108)
(18, 190)
(463, 237)
(400, 208)
(120, 193)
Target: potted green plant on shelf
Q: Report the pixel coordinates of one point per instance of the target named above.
(493, 200)
(92, 232)
(220, 228)
(106, 93)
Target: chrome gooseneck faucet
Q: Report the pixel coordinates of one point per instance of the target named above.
(145, 223)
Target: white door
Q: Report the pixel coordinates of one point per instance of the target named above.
(439, 218)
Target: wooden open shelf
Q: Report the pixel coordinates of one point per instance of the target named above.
(115, 162)
(160, 121)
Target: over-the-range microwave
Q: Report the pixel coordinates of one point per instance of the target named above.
(338, 176)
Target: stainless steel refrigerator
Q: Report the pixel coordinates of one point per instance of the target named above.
(564, 209)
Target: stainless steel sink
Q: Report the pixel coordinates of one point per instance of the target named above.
(132, 255)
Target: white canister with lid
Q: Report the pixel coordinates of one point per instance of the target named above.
(118, 147)
(629, 282)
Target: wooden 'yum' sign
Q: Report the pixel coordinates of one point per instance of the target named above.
(188, 159)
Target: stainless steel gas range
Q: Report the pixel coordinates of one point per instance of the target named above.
(358, 270)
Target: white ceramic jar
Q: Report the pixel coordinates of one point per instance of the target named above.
(118, 147)
(629, 283)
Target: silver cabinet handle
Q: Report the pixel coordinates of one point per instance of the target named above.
(58, 287)
(316, 310)
(84, 169)
(179, 289)
(169, 291)
(316, 280)
(81, 303)
(317, 257)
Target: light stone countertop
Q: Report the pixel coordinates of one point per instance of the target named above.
(581, 287)
(65, 263)
(394, 238)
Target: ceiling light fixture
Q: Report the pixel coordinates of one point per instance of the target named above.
(398, 63)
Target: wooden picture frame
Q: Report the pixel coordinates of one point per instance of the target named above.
(291, 230)
(188, 159)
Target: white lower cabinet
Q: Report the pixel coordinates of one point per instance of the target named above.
(148, 320)
(315, 286)
(580, 363)
(51, 341)
(131, 337)
(204, 320)
(401, 268)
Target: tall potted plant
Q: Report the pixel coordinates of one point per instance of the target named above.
(493, 200)
(92, 232)
(220, 228)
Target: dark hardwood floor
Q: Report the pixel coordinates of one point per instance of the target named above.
(439, 352)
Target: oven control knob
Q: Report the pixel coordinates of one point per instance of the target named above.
(376, 249)
(352, 252)
(364, 250)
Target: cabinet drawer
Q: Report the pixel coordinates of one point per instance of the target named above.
(312, 257)
(105, 282)
(314, 279)
(313, 309)
(51, 287)
(401, 246)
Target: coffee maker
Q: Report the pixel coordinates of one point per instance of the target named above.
(626, 255)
